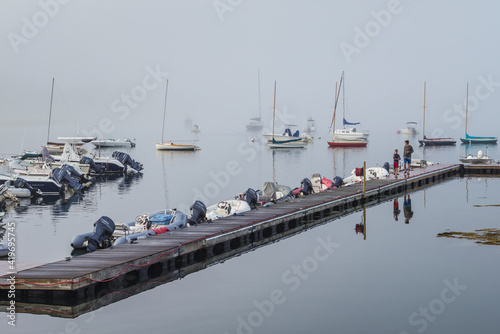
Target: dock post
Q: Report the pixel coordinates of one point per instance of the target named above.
(364, 179)
(364, 200)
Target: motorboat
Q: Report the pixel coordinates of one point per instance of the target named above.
(58, 181)
(125, 142)
(118, 162)
(310, 125)
(254, 124)
(410, 129)
(195, 129)
(479, 159)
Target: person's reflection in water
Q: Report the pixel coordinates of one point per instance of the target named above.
(407, 209)
(396, 210)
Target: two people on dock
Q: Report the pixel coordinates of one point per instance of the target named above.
(408, 150)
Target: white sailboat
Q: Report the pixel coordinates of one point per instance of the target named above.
(288, 143)
(255, 123)
(348, 133)
(169, 145)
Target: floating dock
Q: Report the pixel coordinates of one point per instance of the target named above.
(71, 287)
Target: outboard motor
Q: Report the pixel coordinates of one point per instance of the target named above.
(22, 183)
(198, 213)
(102, 236)
(386, 166)
(251, 198)
(337, 181)
(95, 167)
(307, 187)
(74, 173)
(61, 175)
(126, 160)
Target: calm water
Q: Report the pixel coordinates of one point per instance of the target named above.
(400, 279)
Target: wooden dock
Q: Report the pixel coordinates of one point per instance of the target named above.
(81, 282)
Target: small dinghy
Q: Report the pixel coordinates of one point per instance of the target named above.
(372, 173)
(273, 193)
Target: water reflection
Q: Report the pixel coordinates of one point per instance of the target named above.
(407, 209)
(395, 211)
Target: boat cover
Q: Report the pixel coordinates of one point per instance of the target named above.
(349, 123)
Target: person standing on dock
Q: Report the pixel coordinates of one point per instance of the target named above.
(408, 150)
(396, 157)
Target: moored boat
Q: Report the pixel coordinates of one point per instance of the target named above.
(433, 141)
(474, 139)
(479, 159)
(125, 142)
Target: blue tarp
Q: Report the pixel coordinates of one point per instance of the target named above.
(348, 123)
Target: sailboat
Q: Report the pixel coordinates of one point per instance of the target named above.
(434, 141)
(170, 145)
(295, 142)
(255, 123)
(58, 147)
(339, 141)
(349, 133)
(473, 139)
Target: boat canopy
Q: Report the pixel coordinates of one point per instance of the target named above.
(476, 137)
(349, 123)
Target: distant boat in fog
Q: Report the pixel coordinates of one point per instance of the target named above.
(255, 123)
(169, 145)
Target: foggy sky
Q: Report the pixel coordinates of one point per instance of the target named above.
(100, 52)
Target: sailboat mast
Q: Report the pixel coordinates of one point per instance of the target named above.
(274, 106)
(164, 112)
(260, 105)
(337, 93)
(466, 108)
(50, 110)
(343, 102)
(423, 126)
